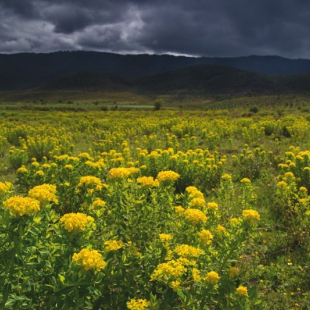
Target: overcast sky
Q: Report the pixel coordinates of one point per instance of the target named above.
(184, 27)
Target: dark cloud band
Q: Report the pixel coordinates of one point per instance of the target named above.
(194, 27)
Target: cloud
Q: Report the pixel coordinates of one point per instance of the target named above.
(193, 27)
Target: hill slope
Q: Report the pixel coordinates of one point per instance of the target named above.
(91, 81)
(195, 80)
(29, 70)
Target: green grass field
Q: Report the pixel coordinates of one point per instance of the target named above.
(192, 206)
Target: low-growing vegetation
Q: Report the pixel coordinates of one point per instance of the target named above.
(155, 209)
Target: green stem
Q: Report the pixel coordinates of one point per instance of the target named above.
(7, 286)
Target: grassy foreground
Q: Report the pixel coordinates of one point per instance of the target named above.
(168, 209)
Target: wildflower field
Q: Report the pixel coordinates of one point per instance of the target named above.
(154, 210)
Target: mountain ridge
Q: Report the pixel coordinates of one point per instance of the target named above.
(198, 80)
(31, 70)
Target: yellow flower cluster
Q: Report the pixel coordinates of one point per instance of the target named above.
(205, 236)
(233, 271)
(122, 173)
(90, 182)
(226, 176)
(198, 202)
(282, 184)
(98, 203)
(167, 176)
(242, 290)
(5, 187)
(245, 180)
(194, 192)
(196, 275)
(147, 182)
(179, 209)
(171, 269)
(175, 285)
(220, 229)
(137, 304)
(212, 277)
(251, 215)
(165, 237)
(84, 156)
(44, 193)
(22, 169)
(212, 206)
(76, 222)
(22, 205)
(89, 259)
(195, 216)
(113, 245)
(235, 221)
(187, 251)
(289, 176)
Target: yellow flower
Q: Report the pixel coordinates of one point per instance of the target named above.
(242, 290)
(212, 206)
(245, 180)
(205, 236)
(282, 184)
(175, 285)
(220, 229)
(113, 245)
(89, 259)
(90, 182)
(76, 222)
(5, 187)
(194, 192)
(165, 237)
(167, 176)
(188, 251)
(98, 203)
(251, 215)
(138, 304)
(212, 277)
(195, 216)
(22, 205)
(44, 193)
(289, 175)
(281, 165)
(226, 176)
(171, 269)
(22, 169)
(198, 202)
(119, 173)
(196, 275)
(234, 221)
(84, 156)
(179, 209)
(233, 271)
(147, 182)
(133, 170)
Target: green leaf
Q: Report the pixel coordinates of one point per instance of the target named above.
(61, 278)
(37, 219)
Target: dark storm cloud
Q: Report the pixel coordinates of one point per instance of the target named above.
(193, 27)
(24, 8)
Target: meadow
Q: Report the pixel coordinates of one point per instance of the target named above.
(144, 209)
